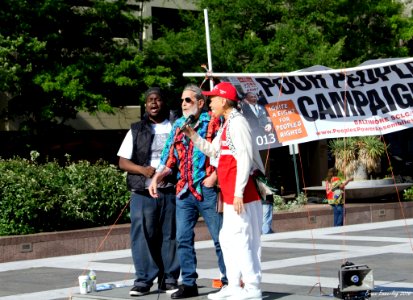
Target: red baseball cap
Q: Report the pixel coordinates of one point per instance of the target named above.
(225, 90)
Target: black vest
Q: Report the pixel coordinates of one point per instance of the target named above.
(142, 139)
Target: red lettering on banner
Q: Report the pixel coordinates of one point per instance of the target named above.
(401, 116)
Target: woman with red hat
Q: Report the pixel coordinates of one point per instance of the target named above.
(241, 230)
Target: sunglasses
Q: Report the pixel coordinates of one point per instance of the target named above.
(187, 100)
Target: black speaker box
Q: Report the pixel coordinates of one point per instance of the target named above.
(355, 278)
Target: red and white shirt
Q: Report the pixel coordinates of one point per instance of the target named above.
(239, 156)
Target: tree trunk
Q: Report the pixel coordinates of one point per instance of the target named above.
(360, 173)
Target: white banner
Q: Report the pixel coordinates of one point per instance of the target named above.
(374, 98)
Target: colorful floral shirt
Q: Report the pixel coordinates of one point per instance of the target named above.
(192, 165)
(333, 191)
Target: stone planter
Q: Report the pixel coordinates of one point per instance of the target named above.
(370, 183)
(365, 189)
(110, 238)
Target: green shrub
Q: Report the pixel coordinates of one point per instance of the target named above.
(281, 205)
(408, 194)
(48, 197)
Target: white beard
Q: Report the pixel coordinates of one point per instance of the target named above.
(193, 111)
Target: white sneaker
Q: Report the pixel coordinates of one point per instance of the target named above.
(224, 293)
(247, 294)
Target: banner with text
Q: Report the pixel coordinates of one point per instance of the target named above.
(321, 103)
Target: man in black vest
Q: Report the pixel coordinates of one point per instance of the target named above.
(153, 227)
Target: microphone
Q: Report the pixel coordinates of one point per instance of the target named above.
(189, 120)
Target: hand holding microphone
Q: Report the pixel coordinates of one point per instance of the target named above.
(184, 127)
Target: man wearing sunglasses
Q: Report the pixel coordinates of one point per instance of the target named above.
(195, 189)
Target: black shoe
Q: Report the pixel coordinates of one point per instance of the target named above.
(139, 290)
(185, 291)
(169, 288)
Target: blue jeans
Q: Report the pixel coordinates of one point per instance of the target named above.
(188, 209)
(338, 214)
(153, 238)
(267, 218)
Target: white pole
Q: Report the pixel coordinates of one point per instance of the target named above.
(208, 44)
(388, 62)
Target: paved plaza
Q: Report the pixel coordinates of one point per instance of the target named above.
(295, 265)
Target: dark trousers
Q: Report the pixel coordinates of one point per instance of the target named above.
(153, 237)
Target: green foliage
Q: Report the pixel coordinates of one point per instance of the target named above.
(60, 57)
(408, 194)
(48, 197)
(282, 36)
(352, 152)
(11, 69)
(281, 205)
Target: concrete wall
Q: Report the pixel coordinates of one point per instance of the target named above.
(121, 119)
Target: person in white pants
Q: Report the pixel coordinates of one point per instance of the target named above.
(241, 230)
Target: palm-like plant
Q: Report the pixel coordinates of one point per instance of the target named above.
(358, 156)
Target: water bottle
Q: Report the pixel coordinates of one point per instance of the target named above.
(92, 276)
(88, 284)
(104, 287)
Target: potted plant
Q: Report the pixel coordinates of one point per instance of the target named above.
(358, 157)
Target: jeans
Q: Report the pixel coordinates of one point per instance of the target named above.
(267, 218)
(188, 209)
(153, 238)
(338, 211)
